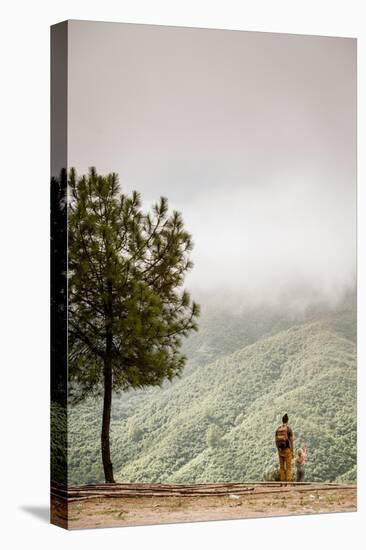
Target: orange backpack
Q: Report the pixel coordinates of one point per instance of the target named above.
(282, 437)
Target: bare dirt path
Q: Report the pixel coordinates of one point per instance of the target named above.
(234, 503)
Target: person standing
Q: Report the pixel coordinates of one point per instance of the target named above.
(285, 442)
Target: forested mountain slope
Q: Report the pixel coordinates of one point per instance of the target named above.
(217, 422)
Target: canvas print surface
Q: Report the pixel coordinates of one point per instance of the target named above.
(203, 263)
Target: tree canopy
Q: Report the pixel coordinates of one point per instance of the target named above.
(128, 312)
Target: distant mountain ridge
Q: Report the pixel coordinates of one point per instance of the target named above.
(217, 422)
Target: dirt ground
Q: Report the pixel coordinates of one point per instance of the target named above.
(144, 510)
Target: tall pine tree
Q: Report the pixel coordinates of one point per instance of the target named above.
(127, 311)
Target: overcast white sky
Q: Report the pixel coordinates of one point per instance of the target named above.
(252, 136)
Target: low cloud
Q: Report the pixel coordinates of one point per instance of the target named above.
(293, 242)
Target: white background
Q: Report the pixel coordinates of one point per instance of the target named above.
(24, 219)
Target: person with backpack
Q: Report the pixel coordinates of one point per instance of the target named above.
(285, 442)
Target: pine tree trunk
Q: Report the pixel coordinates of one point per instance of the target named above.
(107, 406)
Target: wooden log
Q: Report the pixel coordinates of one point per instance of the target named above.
(83, 492)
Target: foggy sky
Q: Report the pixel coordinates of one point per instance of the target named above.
(252, 136)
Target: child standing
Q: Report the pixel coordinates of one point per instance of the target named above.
(300, 464)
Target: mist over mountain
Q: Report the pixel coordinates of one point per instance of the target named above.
(265, 182)
(273, 244)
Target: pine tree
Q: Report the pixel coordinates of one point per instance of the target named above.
(58, 266)
(127, 311)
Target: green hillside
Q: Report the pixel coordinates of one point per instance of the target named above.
(217, 422)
